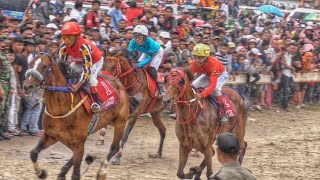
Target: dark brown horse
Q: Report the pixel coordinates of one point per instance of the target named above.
(198, 123)
(135, 83)
(66, 119)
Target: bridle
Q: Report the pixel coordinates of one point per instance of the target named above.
(118, 72)
(36, 74)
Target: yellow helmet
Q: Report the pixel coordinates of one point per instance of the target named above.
(201, 50)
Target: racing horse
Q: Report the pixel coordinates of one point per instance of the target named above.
(66, 119)
(136, 84)
(198, 122)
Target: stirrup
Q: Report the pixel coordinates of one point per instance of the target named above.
(224, 119)
(95, 107)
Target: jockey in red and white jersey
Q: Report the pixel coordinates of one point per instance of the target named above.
(83, 57)
(213, 75)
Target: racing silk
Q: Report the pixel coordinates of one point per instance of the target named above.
(212, 69)
(149, 47)
(82, 52)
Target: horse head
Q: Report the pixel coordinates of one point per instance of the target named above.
(177, 81)
(39, 73)
(117, 62)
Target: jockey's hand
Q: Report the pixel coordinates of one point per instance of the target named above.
(75, 87)
(199, 96)
(135, 65)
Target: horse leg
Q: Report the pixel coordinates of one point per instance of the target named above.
(44, 142)
(78, 151)
(208, 158)
(64, 170)
(243, 151)
(183, 158)
(198, 169)
(128, 128)
(100, 140)
(162, 130)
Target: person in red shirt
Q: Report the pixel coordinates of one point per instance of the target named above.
(213, 75)
(83, 57)
(93, 17)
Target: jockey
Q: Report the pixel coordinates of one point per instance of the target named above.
(152, 52)
(213, 75)
(83, 57)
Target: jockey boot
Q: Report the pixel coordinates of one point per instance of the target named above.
(95, 106)
(223, 117)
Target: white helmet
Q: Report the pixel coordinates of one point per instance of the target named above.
(141, 29)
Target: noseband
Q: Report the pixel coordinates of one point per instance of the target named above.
(36, 74)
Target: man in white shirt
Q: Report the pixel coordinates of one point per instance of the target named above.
(77, 12)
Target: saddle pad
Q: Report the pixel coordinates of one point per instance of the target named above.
(230, 108)
(107, 95)
(152, 86)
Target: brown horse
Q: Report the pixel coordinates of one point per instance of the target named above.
(198, 122)
(66, 119)
(135, 83)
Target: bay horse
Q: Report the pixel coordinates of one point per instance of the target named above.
(198, 122)
(66, 119)
(135, 82)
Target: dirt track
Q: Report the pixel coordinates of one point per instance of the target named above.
(281, 146)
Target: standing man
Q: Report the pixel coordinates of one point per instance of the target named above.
(116, 14)
(93, 18)
(227, 147)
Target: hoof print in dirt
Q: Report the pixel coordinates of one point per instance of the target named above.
(154, 156)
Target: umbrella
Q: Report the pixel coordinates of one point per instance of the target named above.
(313, 17)
(269, 9)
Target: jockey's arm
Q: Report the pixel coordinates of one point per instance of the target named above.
(146, 61)
(213, 83)
(131, 49)
(63, 53)
(86, 63)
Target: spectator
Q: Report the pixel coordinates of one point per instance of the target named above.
(42, 11)
(77, 13)
(115, 14)
(93, 18)
(227, 147)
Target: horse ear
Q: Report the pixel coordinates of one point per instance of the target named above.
(187, 70)
(166, 79)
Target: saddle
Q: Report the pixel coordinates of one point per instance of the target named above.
(151, 84)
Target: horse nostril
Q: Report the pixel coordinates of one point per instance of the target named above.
(168, 101)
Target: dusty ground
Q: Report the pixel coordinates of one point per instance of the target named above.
(281, 146)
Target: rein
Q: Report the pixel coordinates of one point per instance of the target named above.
(36, 74)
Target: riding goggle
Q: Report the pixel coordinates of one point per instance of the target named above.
(200, 59)
(68, 38)
(138, 36)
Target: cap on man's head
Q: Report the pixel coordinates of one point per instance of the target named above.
(309, 28)
(52, 26)
(164, 35)
(231, 45)
(117, 1)
(29, 41)
(228, 143)
(255, 51)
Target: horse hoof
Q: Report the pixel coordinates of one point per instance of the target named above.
(61, 178)
(194, 170)
(89, 159)
(100, 142)
(43, 174)
(115, 160)
(154, 156)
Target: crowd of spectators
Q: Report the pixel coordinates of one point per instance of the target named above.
(251, 44)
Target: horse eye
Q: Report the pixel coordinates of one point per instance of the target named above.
(181, 82)
(44, 66)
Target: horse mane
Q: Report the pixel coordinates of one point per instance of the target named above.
(65, 70)
(121, 52)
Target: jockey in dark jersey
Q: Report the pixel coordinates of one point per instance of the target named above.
(83, 57)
